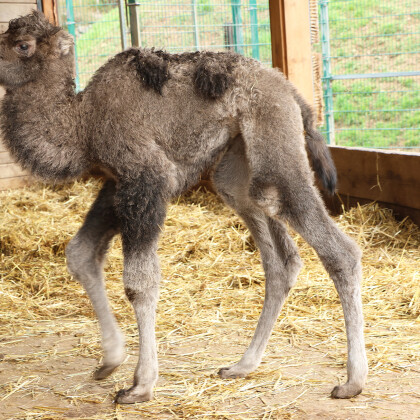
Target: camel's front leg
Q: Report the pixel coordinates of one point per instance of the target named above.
(141, 209)
(85, 257)
(141, 282)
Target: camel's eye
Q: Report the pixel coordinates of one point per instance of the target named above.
(25, 48)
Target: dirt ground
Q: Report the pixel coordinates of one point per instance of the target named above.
(53, 384)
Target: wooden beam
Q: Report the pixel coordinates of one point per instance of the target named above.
(291, 43)
(298, 47)
(390, 178)
(5, 158)
(19, 1)
(278, 35)
(16, 182)
(9, 170)
(49, 8)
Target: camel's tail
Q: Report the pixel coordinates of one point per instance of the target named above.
(316, 147)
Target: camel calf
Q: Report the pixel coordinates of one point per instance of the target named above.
(154, 122)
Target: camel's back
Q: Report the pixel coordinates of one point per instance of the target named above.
(186, 104)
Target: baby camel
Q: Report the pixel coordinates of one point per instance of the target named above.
(154, 122)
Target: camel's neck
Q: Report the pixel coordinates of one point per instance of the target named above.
(41, 128)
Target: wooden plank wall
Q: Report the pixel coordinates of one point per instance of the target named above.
(390, 178)
(11, 175)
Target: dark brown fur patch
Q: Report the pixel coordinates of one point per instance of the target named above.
(130, 293)
(152, 69)
(141, 210)
(213, 74)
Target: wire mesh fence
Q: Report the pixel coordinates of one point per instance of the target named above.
(173, 25)
(371, 65)
(203, 24)
(95, 26)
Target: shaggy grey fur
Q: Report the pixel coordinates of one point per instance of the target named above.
(154, 122)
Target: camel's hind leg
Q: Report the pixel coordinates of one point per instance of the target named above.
(342, 259)
(282, 186)
(85, 256)
(278, 253)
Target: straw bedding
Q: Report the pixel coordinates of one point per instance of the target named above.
(211, 295)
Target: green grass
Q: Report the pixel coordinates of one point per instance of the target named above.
(366, 39)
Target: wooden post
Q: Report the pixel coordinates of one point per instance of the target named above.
(278, 35)
(49, 8)
(291, 43)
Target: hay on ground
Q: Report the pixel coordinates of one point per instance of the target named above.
(211, 295)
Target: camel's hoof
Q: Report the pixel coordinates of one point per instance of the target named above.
(346, 391)
(229, 373)
(103, 372)
(129, 396)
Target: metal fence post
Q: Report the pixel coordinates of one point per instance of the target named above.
(327, 76)
(71, 26)
(194, 16)
(134, 23)
(254, 29)
(237, 26)
(123, 25)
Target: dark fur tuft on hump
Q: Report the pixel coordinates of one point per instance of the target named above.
(213, 74)
(152, 68)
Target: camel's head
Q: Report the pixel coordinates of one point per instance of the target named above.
(30, 46)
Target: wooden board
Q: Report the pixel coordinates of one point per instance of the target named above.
(10, 11)
(291, 43)
(390, 178)
(16, 182)
(11, 175)
(278, 35)
(18, 1)
(49, 8)
(9, 170)
(5, 158)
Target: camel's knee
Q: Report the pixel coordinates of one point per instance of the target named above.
(293, 265)
(345, 260)
(281, 274)
(80, 258)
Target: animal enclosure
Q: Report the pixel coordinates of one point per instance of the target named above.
(172, 25)
(207, 311)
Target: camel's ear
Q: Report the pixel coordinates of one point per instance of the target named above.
(64, 43)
